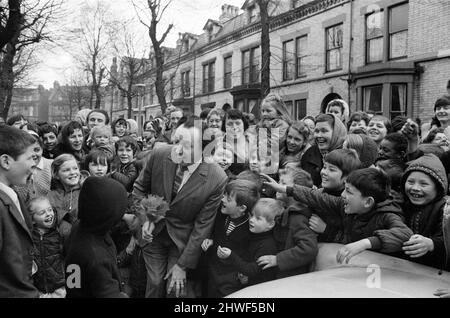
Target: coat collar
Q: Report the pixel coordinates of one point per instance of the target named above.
(24, 222)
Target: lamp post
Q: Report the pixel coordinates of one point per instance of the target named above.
(140, 107)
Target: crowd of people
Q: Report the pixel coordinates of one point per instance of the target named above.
(246, 200)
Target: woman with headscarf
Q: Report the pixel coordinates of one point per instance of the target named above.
(329, 134)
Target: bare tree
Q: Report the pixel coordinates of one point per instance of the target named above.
(93, 37)
(132, 65)
(11, 19)
(18, 53)
(76, 93)
(157, 9)
(265, 46)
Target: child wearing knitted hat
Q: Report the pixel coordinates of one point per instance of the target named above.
(425, 187)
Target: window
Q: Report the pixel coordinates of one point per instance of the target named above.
(172, 87)
(152, 90)
(374, 37)
(373, 98)
(250, 65)
(208, 77)
(252, 15)
(185, 84)
(334, 36)
(288, 60)
(297, 108)
(227, 64)
(398, 31)
(301, 50)
(398, 100)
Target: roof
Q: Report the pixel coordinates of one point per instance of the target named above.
(398, 278)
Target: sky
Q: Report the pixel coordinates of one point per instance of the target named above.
(186, 15)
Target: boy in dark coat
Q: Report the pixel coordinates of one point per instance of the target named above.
(50, 277)
(102, 203)
(231, 230)
(16, 243)
(370, 219)
(261, 242)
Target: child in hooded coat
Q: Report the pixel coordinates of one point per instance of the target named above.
(102, 203)
(425, 218)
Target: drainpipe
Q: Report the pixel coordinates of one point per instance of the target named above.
(350, 76)
(193, 86)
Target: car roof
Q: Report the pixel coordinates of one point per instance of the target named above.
(397, 278)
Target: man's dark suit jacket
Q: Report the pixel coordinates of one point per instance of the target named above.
(190, 219)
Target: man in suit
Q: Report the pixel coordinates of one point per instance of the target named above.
(16, 243)
(194, 190)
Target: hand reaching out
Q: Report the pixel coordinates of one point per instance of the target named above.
(442, 292)
(272, 184)
(348, 251)
(418, 246)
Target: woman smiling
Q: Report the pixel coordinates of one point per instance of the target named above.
(329, 134)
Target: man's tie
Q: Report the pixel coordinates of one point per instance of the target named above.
(178, 179)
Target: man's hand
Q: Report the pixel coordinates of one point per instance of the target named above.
(223, 252)
(418, 246)
(267, 261)
(317, 224)
(147, 230)
(271, 183)
(348, 251)
(206, 244)
(177, 280)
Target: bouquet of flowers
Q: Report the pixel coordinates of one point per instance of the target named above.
(152, 208)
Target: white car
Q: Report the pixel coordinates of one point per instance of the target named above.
(368, 275)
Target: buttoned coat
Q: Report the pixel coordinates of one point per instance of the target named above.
(16, 251)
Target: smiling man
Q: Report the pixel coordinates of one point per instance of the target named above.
(194, 190)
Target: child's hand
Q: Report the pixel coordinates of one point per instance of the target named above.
(147, 230)
(206, 244)
(443, 293)
(317, 224)
(348, 251)
(223, 252)
(271, 183)
(267, 260)
(418, 246)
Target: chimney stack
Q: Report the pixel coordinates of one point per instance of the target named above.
(228, 13)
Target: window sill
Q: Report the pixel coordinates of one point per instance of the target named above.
(332, 71)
